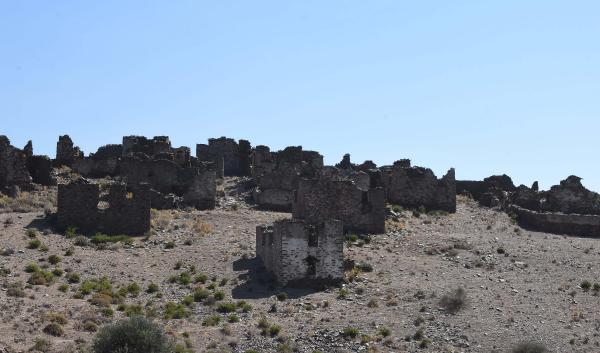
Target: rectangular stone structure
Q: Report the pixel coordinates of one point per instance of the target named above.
(360, 210)
(128, 212)
(295, 251)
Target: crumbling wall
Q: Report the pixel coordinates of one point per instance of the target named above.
(13, 165)
(196, 183)
(558, 223)
(570, 196)
(127, 213)
(477, 188)
(40, 169)
(297, 251)
(66, 152)
(276, 175)
(317, 200)
(235, 156)
(416, 186)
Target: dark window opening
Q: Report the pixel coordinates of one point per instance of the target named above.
(366, 204)
(311, 269)
(313, 236)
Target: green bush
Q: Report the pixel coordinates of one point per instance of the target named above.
(54, 329)
(219, 295)
(73, 277)
(152, 288)
(134, 335)
(201, 278)
(350, 332)
(200, 294)
(34, 244)
(282, 296)
(211, 320)
(226, 307)
(586, 285)
(54, 259)
(100, 238)
(175, 311)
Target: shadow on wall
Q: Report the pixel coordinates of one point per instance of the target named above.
(257, 283)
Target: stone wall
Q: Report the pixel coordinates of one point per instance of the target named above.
(234, 156)
(196, 183)
(558, 223)
(416, 186)
(477, 188)
(66, 152)
(127, 213)
(276, 175)
(296, 251)
(570, 196)
(317, 200)
(13, 165)
(40, 169)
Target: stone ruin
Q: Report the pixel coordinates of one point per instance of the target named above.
(13, 166)
(231, 158)
(277, 174)
(128, 212)
(414, 187)
(567, 208)
(176, 178)
(295, 251)
(21, 169)
(360, 209)
(66, 152)
(193, 185)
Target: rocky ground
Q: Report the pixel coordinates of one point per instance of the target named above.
(517, 285)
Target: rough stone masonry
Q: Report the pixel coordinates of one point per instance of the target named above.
(295, 251)
(127, 212)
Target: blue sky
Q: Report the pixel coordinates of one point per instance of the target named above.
(486, 87)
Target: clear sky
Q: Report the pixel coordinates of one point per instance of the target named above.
(486, 87)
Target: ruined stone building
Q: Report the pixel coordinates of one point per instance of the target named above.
(175, 177)
(13, 166)
(360, 209)
(414, 187)
(66, 152)
(489, 192)
(195, 184)
(127, 213)
(295, 251)
(232, 158)
(277, 174)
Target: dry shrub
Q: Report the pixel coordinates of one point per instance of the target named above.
(454, 301)
(201, 227)
(27, 202)
(160, 219)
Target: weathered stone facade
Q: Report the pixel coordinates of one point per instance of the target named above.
(13, 166)
(416, 186)
(297, 251)
(558, 223)
(276, 175)
(476, 188)
(196, 184)
(40, 169)
(234, 157)
(127, 213)
(66, 152)
(360, 210)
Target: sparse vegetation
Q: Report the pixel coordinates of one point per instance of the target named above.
(454, 301)
(134, 335)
